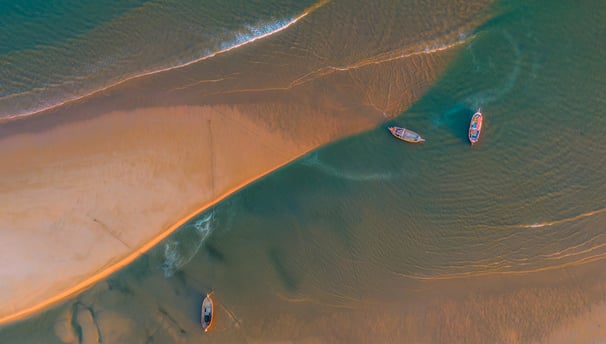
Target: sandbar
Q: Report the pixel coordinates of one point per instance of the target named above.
(84, 199)
(88, 186)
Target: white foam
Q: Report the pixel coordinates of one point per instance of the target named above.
(176, 255)
(249, 35)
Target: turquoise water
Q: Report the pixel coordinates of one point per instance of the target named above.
(372, 240)
(52, 52)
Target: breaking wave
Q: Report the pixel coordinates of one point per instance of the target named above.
(58, 92)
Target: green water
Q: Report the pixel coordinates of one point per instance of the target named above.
(52, 52)
(350, 243)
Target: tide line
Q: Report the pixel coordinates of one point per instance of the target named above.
(373, 60)
(382, 58)
(293, 21)
(106, 272)
(475, 274)
(566, 220)
(538, 225)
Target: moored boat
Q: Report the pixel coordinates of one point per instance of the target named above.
(207, 313)
(406, 135)
(475, 127)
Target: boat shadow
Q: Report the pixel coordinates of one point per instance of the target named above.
(460, 123)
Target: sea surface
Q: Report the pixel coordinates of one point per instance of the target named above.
(55, 51)
(367, 239)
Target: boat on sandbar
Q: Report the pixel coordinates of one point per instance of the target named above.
(207, 313)
(406, 135)
(475, 127)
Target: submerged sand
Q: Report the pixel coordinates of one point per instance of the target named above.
(89, 186)
(83, 196)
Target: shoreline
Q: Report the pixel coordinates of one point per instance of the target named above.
(100, 188)
(288, 24)
(106, 272)
(106, 176)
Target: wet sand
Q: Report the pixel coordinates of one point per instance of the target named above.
(557, 306)
(89, 186)
(119, 169)
(88, 197)
(588, 327)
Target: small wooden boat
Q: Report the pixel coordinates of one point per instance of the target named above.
(406, 135)
(475, 127)
(207, 313)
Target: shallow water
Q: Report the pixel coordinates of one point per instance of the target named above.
(371, 239)
(52, 53)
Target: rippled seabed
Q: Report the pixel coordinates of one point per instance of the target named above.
(372, 239)
(56, 52)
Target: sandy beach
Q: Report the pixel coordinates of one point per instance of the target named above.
(86, 198)
(154, 152)
(89, 186)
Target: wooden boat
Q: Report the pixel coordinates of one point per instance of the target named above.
(406, 135)
(475, 127)
(207, 313)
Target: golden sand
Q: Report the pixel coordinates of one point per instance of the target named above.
(86, 198)
(88, 186)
